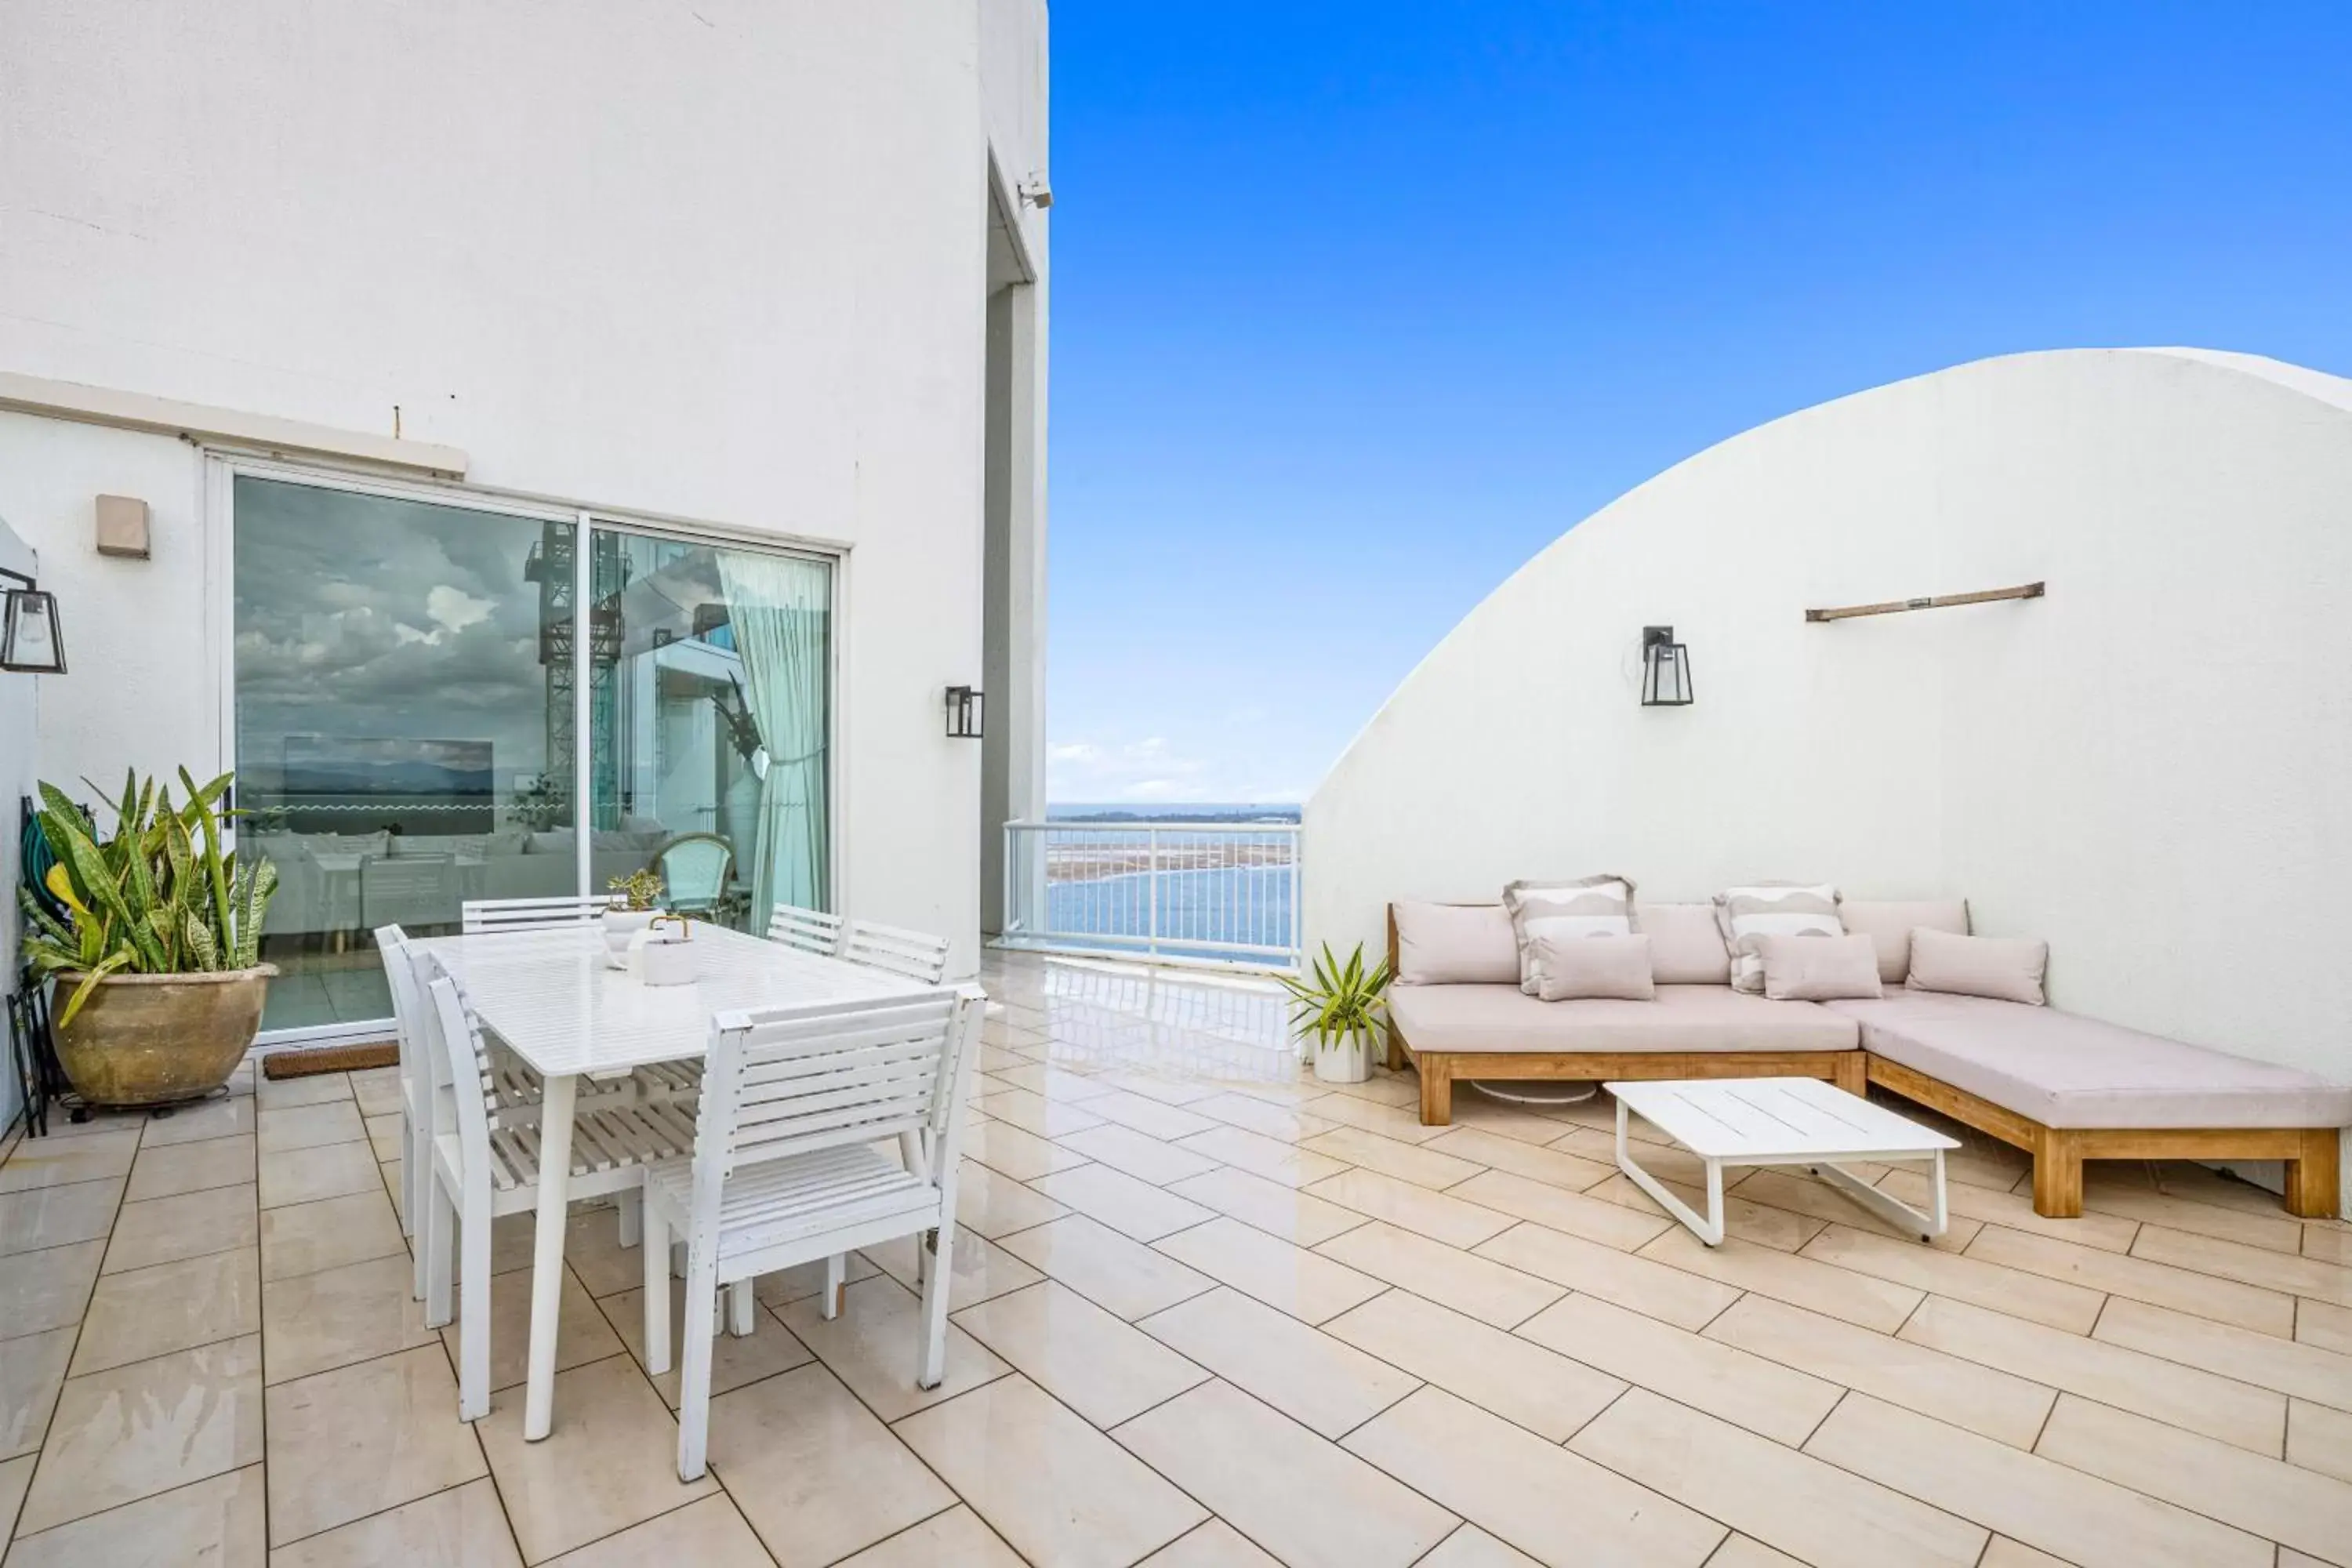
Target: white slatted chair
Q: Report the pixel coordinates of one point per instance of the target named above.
(915, 955)
(811, 930)
(416, 1079)
(487, 917)
(786, 1171)
(483, 1166)
(514, 1085)
(482, 916)
(908, 953)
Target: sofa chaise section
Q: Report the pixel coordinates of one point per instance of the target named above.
(2067, 1089)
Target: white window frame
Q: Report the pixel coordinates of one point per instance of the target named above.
(225, 465)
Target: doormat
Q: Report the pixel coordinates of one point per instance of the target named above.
(329, 1058)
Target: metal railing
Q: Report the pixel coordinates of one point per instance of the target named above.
(1207, 892)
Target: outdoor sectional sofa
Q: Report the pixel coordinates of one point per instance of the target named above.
(2061, 1087)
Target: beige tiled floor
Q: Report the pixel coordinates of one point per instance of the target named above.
(1206, 1313)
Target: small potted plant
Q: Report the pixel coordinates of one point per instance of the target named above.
(157, 959)
(1339, 1012)
(640, 894)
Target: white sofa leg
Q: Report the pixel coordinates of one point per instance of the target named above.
(739, 1309)
(631, 1207)
(836, 1275)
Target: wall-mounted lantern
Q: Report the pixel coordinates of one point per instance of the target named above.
(964, 713)
(1665, 669)
(30, 643)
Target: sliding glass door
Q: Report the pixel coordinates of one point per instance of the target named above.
(712, 723)
(408, 722)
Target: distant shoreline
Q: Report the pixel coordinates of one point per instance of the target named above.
(1112, 814)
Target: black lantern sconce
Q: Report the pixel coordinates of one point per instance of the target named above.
(1665, 669)
(964, 713)
(30, 643)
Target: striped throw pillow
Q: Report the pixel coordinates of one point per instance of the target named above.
(1592, 906)
(1771, 908)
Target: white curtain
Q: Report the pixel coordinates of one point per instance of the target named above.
(782, 611)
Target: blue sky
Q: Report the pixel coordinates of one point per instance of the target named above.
(1356, 307)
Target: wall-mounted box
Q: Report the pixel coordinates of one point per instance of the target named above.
(122, 527)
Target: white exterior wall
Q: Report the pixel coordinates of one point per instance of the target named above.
(2147, 767)
(1015, 91)
(722, 265)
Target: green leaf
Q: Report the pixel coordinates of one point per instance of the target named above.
(1336, 1000)
(85, 864)
(215, 875)
(88, 983)
(201, 946)
(250, 914)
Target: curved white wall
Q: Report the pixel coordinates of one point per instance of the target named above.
(2151, 767)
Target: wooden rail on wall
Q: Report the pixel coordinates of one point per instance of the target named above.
(1939, 602)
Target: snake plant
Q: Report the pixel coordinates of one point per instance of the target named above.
(1339, 1002)
(158, 897)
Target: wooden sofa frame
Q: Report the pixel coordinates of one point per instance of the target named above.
(2313, 1155)
(1439, 1069)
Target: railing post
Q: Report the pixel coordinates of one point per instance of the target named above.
(1151, 883)
(1297, 898)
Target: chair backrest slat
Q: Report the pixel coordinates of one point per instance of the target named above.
(880, 1090)
(908, 953)
(482, 916)
(455, 1044)
(781, 1082)
(811, 930)
(407, 1005)
(786, 1076)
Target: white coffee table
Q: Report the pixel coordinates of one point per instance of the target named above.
(1780, 1121)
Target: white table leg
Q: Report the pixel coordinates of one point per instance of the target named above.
(1887, 1207)
(1708, 1229)
(547, 1250)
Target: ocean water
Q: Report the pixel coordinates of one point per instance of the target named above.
(1210, 894)
(1248, 906)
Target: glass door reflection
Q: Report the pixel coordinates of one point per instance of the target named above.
(709, 722)
(403, 725)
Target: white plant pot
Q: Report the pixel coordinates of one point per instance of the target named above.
(1346, 1058)
(621, 928)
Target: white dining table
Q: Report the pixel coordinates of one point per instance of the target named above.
(561, 1008)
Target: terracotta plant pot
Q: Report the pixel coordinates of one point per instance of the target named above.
(154, 1039)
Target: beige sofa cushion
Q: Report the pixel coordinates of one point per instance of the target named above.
(1890, 923)
(1456, 944)
(2064, 1070)
(1771, 908)
(1686, 945)
(1571, 968)
(2005, 969)
(1590, 906)
(1819, 968)
(1682, 1018)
